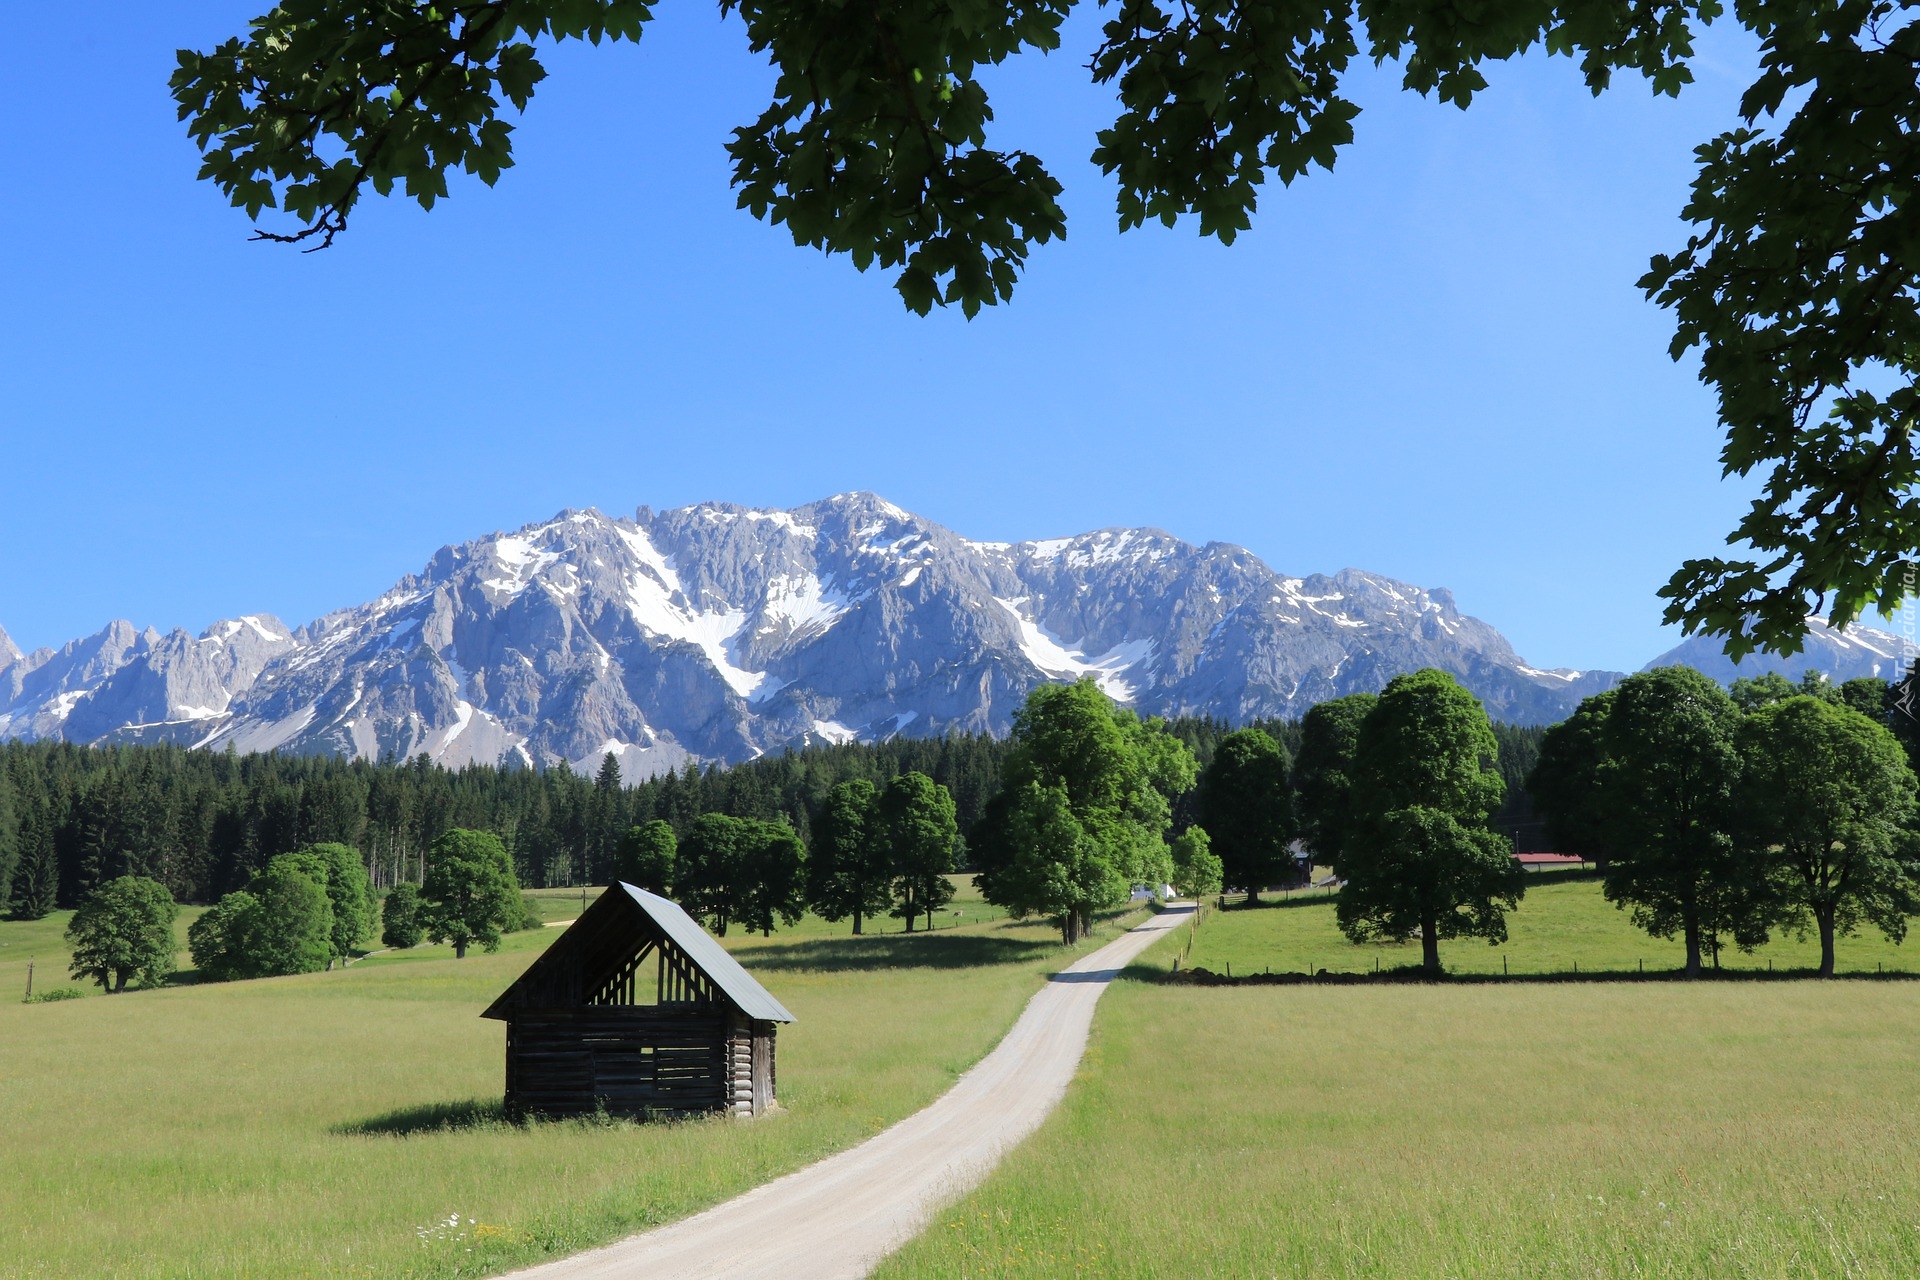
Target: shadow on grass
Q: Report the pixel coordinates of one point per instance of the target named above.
(1415, 975)
(1300, 898)
(431, 1117)
(896, 951)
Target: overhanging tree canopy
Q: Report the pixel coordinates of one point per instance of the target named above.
(1799, 284)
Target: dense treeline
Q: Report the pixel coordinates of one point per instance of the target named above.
(1719, 815)
(204, 824)
(73, 817)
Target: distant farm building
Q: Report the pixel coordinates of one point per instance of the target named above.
(637, 1011)
(1545, 861)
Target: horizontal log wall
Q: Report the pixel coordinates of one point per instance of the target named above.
(626, 1061)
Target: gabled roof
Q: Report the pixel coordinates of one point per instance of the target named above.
(713, 959)
(600, 939)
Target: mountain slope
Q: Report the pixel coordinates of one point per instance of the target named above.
(1838, 655)
(717, 632)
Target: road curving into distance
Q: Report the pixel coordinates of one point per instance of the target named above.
(837, 1219)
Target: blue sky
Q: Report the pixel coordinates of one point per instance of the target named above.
(1432, 363)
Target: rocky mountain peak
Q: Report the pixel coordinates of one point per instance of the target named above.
(718, 632)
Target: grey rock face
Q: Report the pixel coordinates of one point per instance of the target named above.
(1838, 655)
(717, 632)
(122, 685)
(38, 692)
(179, 685)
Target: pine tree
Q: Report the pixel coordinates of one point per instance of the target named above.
(36, 876)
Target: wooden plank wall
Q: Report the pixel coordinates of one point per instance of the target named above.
(627, 1061)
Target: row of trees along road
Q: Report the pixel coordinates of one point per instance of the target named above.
(1084, 810)
(1722, 815)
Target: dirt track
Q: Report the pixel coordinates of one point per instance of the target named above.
(840, 1217)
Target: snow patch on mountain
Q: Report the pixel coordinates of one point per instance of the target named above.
(717, 633)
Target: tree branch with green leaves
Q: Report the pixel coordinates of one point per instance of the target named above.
(1798, 286)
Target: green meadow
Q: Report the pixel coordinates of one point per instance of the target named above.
(347, 1123)
(1592, 1129)
(337, 1124)
(1562, 923)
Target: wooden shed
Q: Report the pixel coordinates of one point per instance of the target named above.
(638, 1011)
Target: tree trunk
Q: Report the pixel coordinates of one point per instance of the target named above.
(1430, 945)
(1693, 949)
(929, 919)
(1825, 916)
(856, 922)
(459, 949)
(1253, 895)
(119, 981)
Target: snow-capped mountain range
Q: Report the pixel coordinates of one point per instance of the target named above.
(717, 632)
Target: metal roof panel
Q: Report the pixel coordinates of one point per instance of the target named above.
(713, 959)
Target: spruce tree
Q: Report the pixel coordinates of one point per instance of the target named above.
(9, 840)
(36, 876)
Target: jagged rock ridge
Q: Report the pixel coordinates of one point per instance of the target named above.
(718, 632)
(1838, 655)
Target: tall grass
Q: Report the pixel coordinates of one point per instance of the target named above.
(336, 1124)
(1606, 1130)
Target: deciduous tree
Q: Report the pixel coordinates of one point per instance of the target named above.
(1826, 798)
(1323, 775)
(772, 882)
(646, 856)
(1418, 859)
(123, 934)
(1246, 806)
(469, 894)
(849, 864)
(1668, 793)
(338, 870)
(218, 939)
(916, 825)
(1084, 811)
(1196, 870)
(400, 917)
(1565, 782)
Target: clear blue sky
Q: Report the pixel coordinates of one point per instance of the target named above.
(1431, 364)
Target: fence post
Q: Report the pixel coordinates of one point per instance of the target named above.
(29, 999)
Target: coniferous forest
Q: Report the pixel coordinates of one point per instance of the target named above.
(73, 817)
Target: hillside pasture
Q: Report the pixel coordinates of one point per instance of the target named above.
(337, 1124)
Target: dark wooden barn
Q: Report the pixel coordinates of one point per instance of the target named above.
(638, 1011)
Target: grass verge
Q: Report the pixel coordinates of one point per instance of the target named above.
(347, 1123)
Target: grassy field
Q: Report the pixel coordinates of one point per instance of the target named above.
(1613, 1129)
(322, 1125)
(1559, 924)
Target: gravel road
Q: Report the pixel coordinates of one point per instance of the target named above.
(837, 1219)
